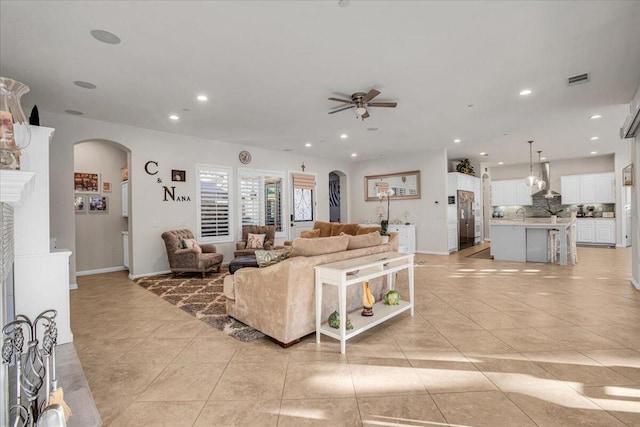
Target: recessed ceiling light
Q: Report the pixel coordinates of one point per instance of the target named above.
(308, 144)
(344, 136)
(594, 152)
(595, 116)
(105, 37)
(595, 138)
(354, 155)
(501, 163)
(174, 117)
(74, 112)
(543, 158)
(484, 154)
(84, 85)
(456, 141)
(525, 92)
(202, 98)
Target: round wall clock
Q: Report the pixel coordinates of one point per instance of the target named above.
(245, 157)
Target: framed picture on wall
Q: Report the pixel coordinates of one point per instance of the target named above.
(627, 175)
(84, 182)
(80, 204)
(106, 187)
(98, 204)
(178, 175)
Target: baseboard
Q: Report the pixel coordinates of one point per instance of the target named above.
(635, 283)
(433, 252)
(153, 273)
(100, 271)
(73, 286)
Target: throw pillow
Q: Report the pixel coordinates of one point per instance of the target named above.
(319, 246)
(310, 234)
(364, 241)
(267, 258)
(255, 241)
(324, 227)
(189, 243)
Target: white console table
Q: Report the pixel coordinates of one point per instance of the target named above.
(353, 272)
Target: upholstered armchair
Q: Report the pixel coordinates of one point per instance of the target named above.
(185, 255)
(270, 236)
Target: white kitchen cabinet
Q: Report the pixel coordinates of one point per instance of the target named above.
(452, 235)
(596, 230)
(605, 230)
(588, 188)
(512, 192)
(125, 198)
(570, 189)
(406, 237)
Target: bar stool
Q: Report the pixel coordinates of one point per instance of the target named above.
(571, 236)
(553, 246)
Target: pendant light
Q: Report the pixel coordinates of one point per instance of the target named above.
(541, 184)
(531, 179)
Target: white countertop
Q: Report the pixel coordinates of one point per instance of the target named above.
(532, 222)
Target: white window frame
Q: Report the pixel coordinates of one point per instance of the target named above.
(230, 194)
(313, 198)
(264, 173)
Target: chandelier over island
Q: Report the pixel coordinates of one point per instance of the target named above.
(531, 180)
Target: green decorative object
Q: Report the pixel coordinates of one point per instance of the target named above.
(334, 321)
(392, 298)
(464, 166)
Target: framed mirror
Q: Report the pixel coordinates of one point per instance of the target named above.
(405, 185)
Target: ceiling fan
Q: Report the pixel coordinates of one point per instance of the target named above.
(360, 101)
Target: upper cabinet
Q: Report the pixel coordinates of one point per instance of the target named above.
(512, 192)
(588, 188)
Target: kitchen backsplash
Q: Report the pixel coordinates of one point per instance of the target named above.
(538, 209)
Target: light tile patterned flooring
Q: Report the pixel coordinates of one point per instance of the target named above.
(492, 344)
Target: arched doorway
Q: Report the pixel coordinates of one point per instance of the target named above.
(337, 196)
(102, 208)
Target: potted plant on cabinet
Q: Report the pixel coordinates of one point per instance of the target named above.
(465, 167)
(384, 224)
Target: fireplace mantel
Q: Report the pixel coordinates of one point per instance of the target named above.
(14, 185)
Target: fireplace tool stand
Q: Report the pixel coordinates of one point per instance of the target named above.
(35, 371)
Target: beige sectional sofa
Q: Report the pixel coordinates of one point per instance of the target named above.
(279, 300)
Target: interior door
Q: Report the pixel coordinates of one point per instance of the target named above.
(303, 203)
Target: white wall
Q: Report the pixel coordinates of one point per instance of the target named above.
(428, 212)
(99, 235)
(149, 215)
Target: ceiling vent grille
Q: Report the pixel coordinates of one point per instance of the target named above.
(579, 79)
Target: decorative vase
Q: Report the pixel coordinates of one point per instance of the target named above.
(15, 133)
(367, 300)
(385, 239)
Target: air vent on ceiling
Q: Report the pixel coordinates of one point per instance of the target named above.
(579, 79)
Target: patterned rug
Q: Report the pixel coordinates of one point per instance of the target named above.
(202, 298)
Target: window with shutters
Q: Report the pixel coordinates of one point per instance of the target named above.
(261, 198)
(215, 220)
(303, 196)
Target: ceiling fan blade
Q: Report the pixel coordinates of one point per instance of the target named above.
(348, 107)
(372, 94)
(382, 104)
(365, 115)
(341, 100)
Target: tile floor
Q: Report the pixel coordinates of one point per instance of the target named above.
(491, 344)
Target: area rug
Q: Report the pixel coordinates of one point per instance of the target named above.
(202, 298)
(483, 254)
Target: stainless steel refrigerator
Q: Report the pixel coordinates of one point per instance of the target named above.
(466, 220)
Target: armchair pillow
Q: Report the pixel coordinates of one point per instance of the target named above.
(189, 243)
(255, 241)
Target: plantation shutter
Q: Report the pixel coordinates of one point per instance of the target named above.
(250, 199)
(214, 219)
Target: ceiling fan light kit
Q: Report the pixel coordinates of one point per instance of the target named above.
(360, 102)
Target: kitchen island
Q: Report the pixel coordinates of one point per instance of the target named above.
(528, 240)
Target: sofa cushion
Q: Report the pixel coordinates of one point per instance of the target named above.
(337, 228)
(367, 230)
(324, 227)
(255, 241)
(319, 246)
(228, 288)
(310, 234)
(267, 258)
(364, 240)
